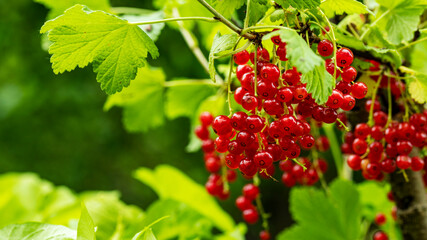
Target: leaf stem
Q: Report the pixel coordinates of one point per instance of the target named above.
(225, 21)
(412, 43)
(234, 51)
(374, 95)
(206, 19)
(246, 22)
(193, 45)
(176, 83)
(374, 24)
(244, 31)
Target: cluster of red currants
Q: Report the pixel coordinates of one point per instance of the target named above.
(294, 173)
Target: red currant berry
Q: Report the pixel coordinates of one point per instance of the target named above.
(250, 191)
(241, 58)
(273, 107)
(202, 132)
(344, 87)
(266, 90)
(368, 104)
(208, 146)
(348, 103)
(285, 95)
(263, 159)
(325, 48)
(270, 73)
(377, 133)
(250, 215)
(329, 115)
(248, 167)
(403, 162)
(264, 235)
(417, 164)
(388, 165)
(359, 146)
(335, 100)
(206, 118)
(380, 236)
(359, 90)
(238, 121)
(288, 179)
(249, 102)
(232, 160)
(291, 76)
(243, 203)
(354, 162)
(300, 92)
(349, 74)
(344, 57)
(362, 130)
(307, 141)
(380, 219)
(281, 53)
(242, 70)
(404, 147)
(222, 125)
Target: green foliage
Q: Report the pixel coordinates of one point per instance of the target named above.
(152, 30)
(399, 19)
(220, 45)
(340, 7)
(321, 217)
(299, 4)
(58, 7)
(257, 10)
(86, 227)
(116, 48)
(142, 102)
(37, 231)
(312, 67)
(417, 86)
(169, 183)
(227, 8)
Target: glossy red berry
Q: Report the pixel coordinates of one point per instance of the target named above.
(307, 141)
(380, 219)
(266, 90)
(250, 191)
(325, 48)
(202, 132)
(335, 100)
(362, 130)
(238, 121)
(248, 167)
(344, 57)
(250, 215)
(254, 123)
(344, 87)
(249, 102)
(291, 76)
(270, 73)
(288, 179)
(403, 162)
(354, 162)
(281, 53)
(349, 74)
(263, 159)
(300, 92)
(417, 164)
(359, 90)
(285, 95)
(388, 165)
(359, 146)
(206, 118)
(232, 160)
(380, 235)
(348, 103)
(242, 70)
(241, 58)
(222, 125)
(243, 203)
(264, 235)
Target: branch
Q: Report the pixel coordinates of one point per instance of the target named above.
(411, 201)
(229, 24)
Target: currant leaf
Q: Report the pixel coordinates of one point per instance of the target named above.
(37, 231)
(220, 44)
(340, 7)
(315, 219)
(116, 48)
(152, 30)
(171, 184)
(85, 227)
(58, 7)
(399, 19)
(184, 99)
(226, 8)
(418, 88)
(319, 83)
(142, 101)
(299, 4)
(257, 10)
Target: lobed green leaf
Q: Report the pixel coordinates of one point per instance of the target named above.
(220, 44)
(36, 231)
(299, 4)
(116, 48)
(339, 7)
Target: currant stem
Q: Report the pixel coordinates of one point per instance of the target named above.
(412, 43)
(259, 206)
(246, 22)
(334, 41)
(255, 72)
(225, 21)
(234, 51)
(193, 45)
(390, 106)
(374, 95)
(246, 30)
(175, 83)
(343, 125)
(206, 19)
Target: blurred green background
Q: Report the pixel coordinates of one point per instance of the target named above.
(54, 125)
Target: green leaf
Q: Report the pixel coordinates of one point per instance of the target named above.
(147, 232)
(257, 10)
(391, 56)
(86, 227)
(116, 48)
(419, 52)
(38, 231)
(142, 102)
(418, 88)
(152, 30)
(299, 4)
(226, 7)
(298, 52)
(184, 99)
(58, 7)
(340, 7)
(147, 235)
(220, 44)
(322, 218)
(170, 183)
(400, 18)
(319, 83)
(183, 222)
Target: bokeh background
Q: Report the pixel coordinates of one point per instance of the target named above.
(55, 126)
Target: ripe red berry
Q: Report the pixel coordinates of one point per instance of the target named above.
(388, 165)
(273, 107)
(288, 179)
(329, 115)
(222, 125)
(202, 132)
(291, 76)
(250, 191)
(362, 130)
(250, 215)
(348, 103)
(285, 95)
(262, 55)
(403, 162)
(254, 123)
(300, 92)
(380, 235)
(281, 52)
(241, 70)
(417, 163)
(380, 219)
(354, 161)
(359, 90)
(377, 133)
(243, 203)
(325, 48)
(208, 146)
(263, 159)
(344, 57)
(344, 87)
(270, 73)
(359, 146)
(249, 102)
(349, 74)
(206, 118)
(248, 167)
(241, 58)
(213, 164)
(264, 235)
(335, 100)
(307, 141)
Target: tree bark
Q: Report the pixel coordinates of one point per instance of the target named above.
(411, 202)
